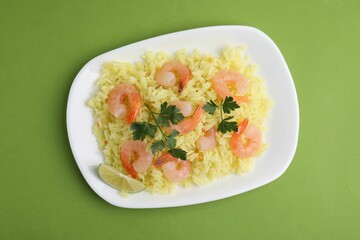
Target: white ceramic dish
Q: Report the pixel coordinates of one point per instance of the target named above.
(283, 123)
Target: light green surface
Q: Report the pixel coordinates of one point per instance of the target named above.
(44, 45)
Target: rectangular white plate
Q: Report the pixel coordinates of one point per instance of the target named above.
(283, 124)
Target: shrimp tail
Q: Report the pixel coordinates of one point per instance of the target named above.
(131, 116)
(241, 99)
(198, 113)
(124, 158)
(185, 76)
(182, 83)
(135, 103)
(181, 86)
(163, 159)
(243, 125)
(190, 124)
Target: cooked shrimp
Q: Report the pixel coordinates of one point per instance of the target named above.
(189, 124)
(172, 72)
(134, 157)
(124, 102)
(174, 169)
(247, 141)
(224, 78)
(208, 141)
(186, 108)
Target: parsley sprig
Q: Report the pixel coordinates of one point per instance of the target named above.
(168, 114)
(226, 106)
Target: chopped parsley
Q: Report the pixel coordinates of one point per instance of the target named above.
(226, 106)
(168, 114)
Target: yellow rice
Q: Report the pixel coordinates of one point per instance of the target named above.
(207, 166)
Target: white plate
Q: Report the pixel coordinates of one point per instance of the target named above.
(283, 123)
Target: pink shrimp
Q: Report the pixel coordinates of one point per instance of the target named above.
(174, 169)
(134, 157)
(189, 124)
(186, 108)
(124, 102)
(224, 78)
(247, 141)
(172, 72)
(208, 141)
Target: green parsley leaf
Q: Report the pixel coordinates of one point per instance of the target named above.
(142, 129)
(169, 113)
(229, 104)
(157, 146)
(138, 129)
(226, 126)
(210, 107)
(174, 133)
(178, 153)
(151, 130)
(176, 116)
(171, 141)
(225, 107)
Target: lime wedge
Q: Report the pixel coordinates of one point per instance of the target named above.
(119, 181)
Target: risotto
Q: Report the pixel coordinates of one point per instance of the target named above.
(210, 153)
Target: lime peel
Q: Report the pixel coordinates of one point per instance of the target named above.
(118, 180)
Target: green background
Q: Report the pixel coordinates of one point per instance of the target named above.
(45, 43)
